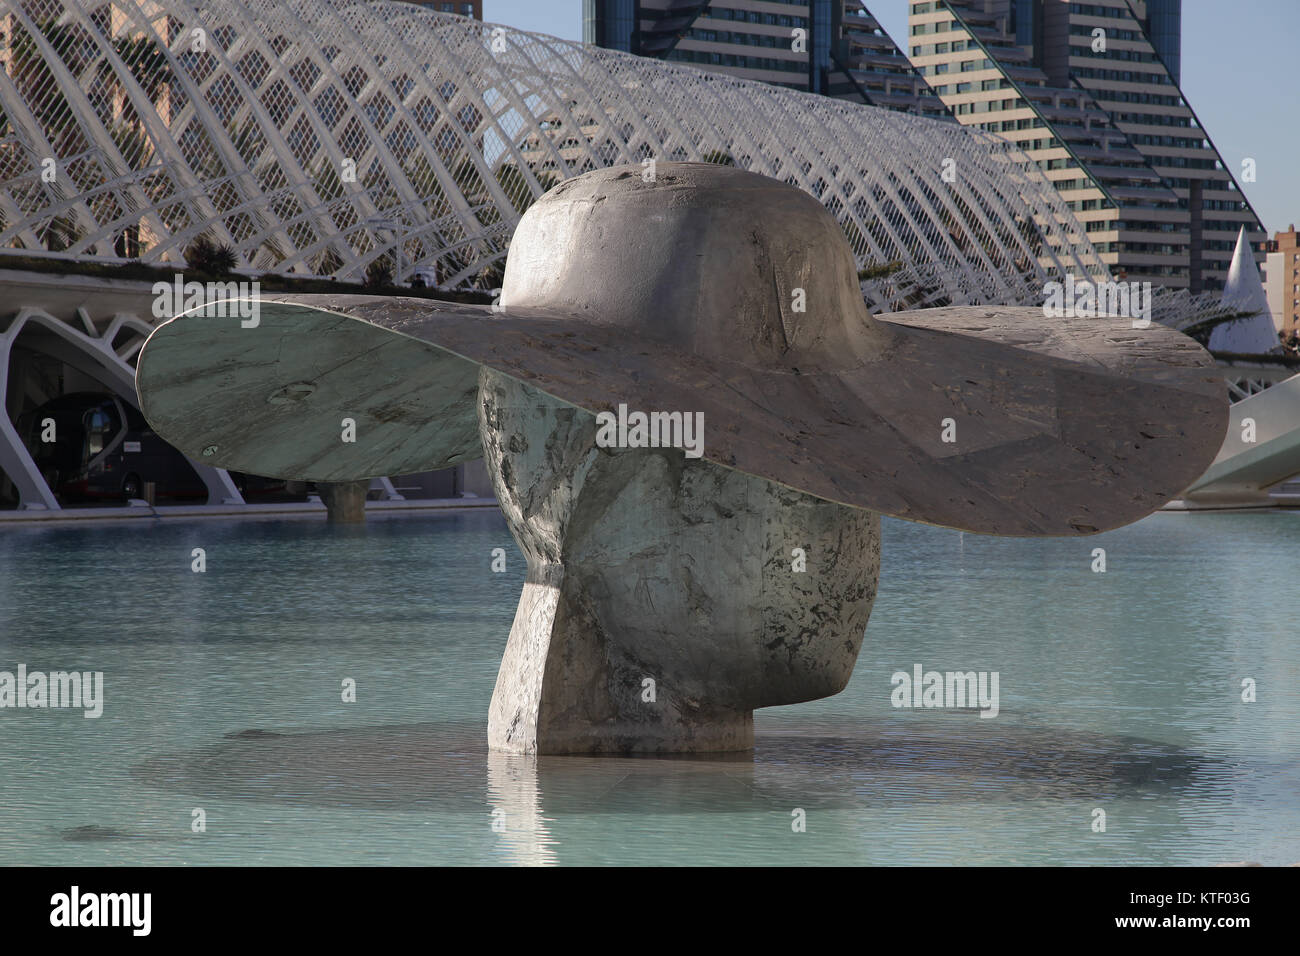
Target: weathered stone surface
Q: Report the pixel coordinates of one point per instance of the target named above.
(345, 501)
(733, 295)
(644, 564)
(272, 400)
(716, 292)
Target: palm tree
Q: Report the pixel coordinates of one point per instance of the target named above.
(379, 274)
(62, 233)
(211, 258)
(146, 62)
(328, 262)
(39, 86)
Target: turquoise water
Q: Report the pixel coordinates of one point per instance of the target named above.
(1120, 691)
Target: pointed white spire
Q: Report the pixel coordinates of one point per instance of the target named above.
(1245, 290)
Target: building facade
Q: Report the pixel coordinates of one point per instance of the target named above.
(832, 47)
(1282, 281)
(462, 8)
(1091, 91)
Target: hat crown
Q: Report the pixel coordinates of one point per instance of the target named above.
(721, 262)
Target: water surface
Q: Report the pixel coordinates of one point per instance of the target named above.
(1120, 691)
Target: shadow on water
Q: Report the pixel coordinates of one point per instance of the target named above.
(447, 767)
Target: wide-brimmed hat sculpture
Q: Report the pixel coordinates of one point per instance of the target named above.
(692, 425)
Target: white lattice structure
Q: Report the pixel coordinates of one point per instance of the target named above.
(243, 119)
(104, 353)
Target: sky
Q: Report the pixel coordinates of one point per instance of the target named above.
(1238, 76)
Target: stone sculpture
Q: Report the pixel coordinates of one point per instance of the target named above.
(670, 590)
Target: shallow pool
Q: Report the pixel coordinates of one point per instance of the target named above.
(1120, 692)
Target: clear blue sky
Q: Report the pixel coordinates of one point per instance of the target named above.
(1239, 65)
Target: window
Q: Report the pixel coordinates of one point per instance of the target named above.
(97, 431)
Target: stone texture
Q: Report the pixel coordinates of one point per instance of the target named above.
(643, 563)
(345, 501)
(272, 400)
(713, 291)
(728, 293)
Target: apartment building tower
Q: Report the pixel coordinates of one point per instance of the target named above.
(1091, 92)
(833, 47)
(463, 8)
(1282, 281)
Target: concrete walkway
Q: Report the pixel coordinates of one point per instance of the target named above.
(304, 509)
(1257, 457)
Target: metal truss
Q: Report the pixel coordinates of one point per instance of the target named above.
(317, 136)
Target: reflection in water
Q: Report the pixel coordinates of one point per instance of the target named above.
(517, 809)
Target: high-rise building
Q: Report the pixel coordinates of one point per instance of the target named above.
(833, 47)
(464, 8)
(1282, 281)
(1090, 91)
(868, 66)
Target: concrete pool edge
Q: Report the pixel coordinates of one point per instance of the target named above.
(188, 512)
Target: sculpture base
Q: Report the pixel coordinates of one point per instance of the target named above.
(565, 689)
(345, 501)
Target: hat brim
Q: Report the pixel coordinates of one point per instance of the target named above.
(991, 420)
